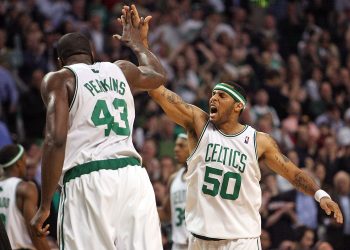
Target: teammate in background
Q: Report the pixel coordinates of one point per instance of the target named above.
(223, 191)
(174, 207)
(107, 199)
(18, 200)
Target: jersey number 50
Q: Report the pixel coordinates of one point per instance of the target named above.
(211, 177)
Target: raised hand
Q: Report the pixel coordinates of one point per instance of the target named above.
(140, 23)
(131, 33)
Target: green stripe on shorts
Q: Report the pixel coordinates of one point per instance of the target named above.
(92, 166)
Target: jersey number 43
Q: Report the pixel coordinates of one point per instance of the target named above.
(118, 122)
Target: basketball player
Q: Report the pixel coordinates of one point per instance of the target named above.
(223, 191)
(18, 200)
(107, 199)
(174, 208)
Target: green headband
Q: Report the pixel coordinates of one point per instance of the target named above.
(15, 158)
(231, 91)
(182, 136)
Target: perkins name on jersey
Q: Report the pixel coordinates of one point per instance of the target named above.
(108, 84)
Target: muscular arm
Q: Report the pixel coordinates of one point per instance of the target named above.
(28, 197)
(150, 73)
(269, 152)
(55, 96)
(188, 116)
(143, 77)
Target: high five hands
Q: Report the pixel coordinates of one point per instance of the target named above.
(135, 29)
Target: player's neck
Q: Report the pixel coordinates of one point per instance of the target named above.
(231, 129)
(80, 58)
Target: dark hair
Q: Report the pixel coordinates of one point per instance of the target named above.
(238, 88)
(8, 152)
(72, 44)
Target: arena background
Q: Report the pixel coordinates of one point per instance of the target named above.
(292, 57)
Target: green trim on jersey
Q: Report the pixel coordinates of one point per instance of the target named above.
(200, 138)
(92, 166)
(234, 135)
(76, 86)
(256, 147)
(62, 219)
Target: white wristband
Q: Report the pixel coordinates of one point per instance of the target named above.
(320, 194)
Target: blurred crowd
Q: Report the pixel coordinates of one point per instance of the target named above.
(292, 57)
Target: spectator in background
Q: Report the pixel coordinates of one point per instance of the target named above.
(8, 98)
(33, 109)
(304, 237)
(339, 236)
(262, 108)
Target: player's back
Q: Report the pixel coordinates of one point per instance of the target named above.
(101, 115)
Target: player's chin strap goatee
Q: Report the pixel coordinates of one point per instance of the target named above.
(232, 92)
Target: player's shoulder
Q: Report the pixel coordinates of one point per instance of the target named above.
(26, 188)
(58, 75)
(172, 178)
(263, 137)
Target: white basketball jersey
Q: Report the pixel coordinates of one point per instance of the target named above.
(224, 195)
(178, 202)
(101, 116)
(12, 217)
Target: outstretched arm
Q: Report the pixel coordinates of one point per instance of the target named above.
(150, 73)
(55, 96)
(269, 151)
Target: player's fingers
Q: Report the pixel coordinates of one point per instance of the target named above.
(116, 36)
(128, 15)
(135, 16)
(124, 15)
(42, 232)
(122, 18)
(147, 19)
(326, 209)
(337, 213)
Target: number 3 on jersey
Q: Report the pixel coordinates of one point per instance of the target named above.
(118, 123)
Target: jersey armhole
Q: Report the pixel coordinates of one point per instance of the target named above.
(76, 86)
(199, 141)
(256, 148)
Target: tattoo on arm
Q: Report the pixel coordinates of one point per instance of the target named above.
(304, 183)
(174, 98)
(280, 159)
(285, 158)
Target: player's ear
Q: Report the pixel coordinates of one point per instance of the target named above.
(239, 106)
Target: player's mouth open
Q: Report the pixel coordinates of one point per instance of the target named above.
(213, 110)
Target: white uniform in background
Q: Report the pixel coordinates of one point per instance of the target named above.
(12, 217)
(107, 199)
(224, 194)
(178, 202)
